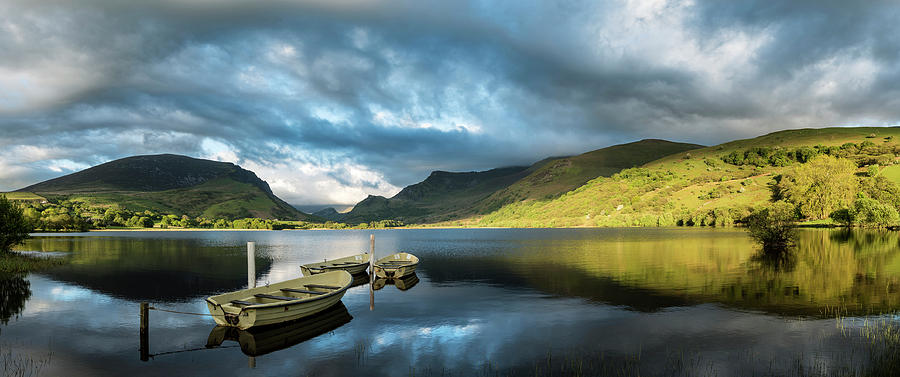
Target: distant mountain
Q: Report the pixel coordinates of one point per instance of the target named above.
(329, 214)
(447, 196)
(439, 197)
(172, 184)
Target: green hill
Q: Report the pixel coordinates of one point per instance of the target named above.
(696, 187)
(441, 196)
(171, 184)
(445, 196)
(556, 176)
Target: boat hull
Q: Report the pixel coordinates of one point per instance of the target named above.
(386, 268)
(259, 341)
(355, 264)
(261, 314)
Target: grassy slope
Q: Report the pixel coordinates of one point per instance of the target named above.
(218, 198)
(446, 196)
(172, 184)
(21, 195)
(553, 177)
(646, 201)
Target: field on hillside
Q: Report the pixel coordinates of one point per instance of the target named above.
(16, 195)
(695, 187)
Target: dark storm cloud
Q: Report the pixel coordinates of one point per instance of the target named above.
(333, 100)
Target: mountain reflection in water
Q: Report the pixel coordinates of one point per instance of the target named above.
(503, 297)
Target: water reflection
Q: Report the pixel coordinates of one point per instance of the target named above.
(856, 269)
(262, 340)
(359, 279)
(504, 297)
(775, 260)
(14, 292)
(403, 283)
(149, 269)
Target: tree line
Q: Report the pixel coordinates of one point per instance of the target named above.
(78, 216)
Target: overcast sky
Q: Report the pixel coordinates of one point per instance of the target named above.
(331, 100)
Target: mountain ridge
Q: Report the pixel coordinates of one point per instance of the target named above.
(172, 183)
(444, 196)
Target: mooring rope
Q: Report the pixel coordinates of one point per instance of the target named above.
(180, 312)
(192, 350)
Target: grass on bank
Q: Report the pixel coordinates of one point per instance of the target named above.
(14, 262)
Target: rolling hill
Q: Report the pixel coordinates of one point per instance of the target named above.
(171, 184)
(552, 177)
(447, 196)
(697, 186)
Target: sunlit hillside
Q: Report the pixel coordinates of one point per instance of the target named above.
(698, 186)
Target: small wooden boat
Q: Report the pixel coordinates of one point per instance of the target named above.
(396, 265)
(259, 341)
(354, 264)
(281, 302)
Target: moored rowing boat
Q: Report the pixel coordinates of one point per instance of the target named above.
(281, 302)
(353, 264)
(396, 265)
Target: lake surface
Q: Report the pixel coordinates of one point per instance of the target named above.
(483, 302)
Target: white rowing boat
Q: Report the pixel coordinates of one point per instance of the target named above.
(281, 302)
(354, 264)
(396, 265)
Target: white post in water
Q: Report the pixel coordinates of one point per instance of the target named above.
(371, 272)
(251, 264)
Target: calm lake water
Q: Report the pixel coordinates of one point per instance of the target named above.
(483, 302)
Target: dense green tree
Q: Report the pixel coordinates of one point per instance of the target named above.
(881, 189)
(773, 227)
(821, 186)
(870, 212)
(843, 216)
(14, 227)
(145, 222)
(133, 222)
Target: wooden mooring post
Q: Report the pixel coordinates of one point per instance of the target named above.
(251, 264)
(371, 272)
(145, 331)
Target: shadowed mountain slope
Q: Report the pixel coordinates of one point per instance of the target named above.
(445, 196)
(172, 184)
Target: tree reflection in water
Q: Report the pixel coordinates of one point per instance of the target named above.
(14, 292)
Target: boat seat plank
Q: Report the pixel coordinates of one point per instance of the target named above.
(273, 297)
(245, 303)
(302, 291)
(321, 286)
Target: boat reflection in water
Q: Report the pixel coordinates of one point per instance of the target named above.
(258, 341)
(402, 284)
(359, 279)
